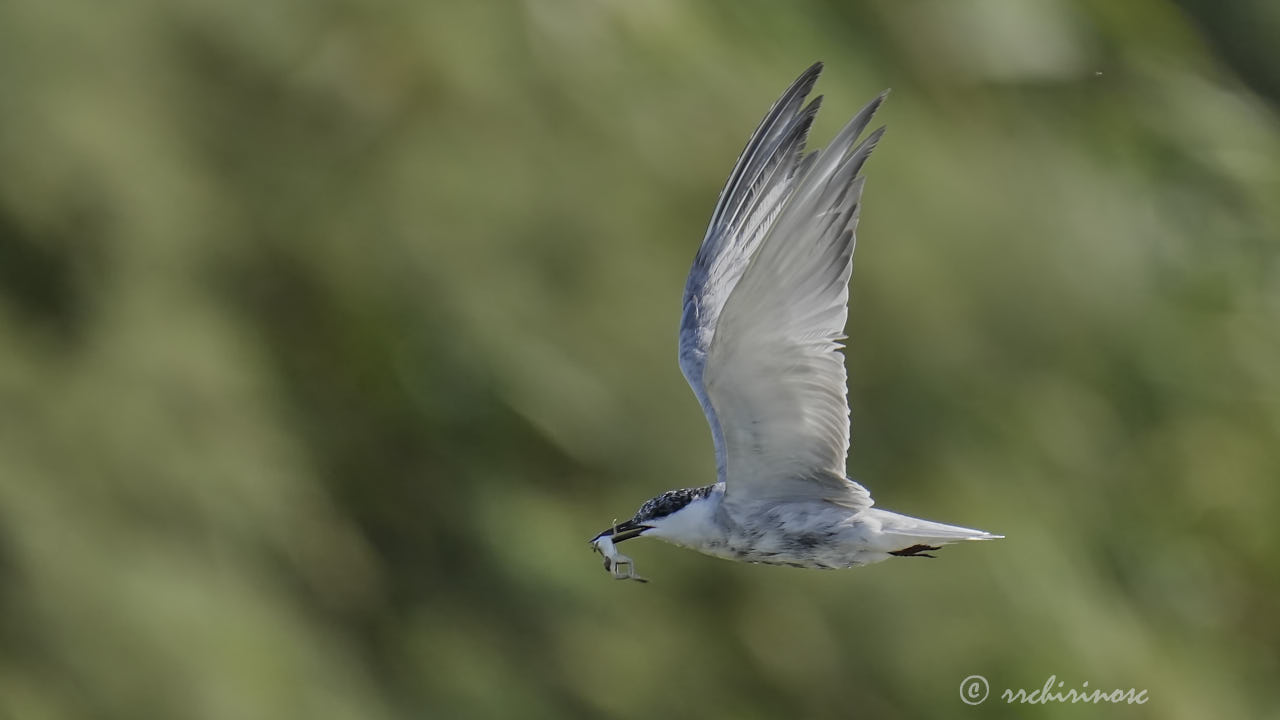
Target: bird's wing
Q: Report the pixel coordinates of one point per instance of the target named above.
(765, 307)
(763, 176)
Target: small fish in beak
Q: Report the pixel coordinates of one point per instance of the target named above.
(619, 565)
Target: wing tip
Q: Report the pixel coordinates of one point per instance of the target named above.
(803, 85)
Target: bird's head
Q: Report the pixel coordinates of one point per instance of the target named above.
(654, 514)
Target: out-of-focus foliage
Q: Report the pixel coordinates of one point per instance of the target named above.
(330, 331)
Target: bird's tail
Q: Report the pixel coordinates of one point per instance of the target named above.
(904, 530)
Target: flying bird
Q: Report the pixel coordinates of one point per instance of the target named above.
(764, 311)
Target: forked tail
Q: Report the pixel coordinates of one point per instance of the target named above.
(904, 531)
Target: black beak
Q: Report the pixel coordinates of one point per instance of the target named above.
(622, 531)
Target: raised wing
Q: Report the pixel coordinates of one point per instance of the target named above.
(766, 304)
(763, 176)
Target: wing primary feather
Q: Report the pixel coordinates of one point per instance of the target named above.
(784, 154)
(768, 129)
(836, 152)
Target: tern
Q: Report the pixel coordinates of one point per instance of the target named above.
(764, 311)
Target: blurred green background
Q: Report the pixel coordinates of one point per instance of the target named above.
(330, 331)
